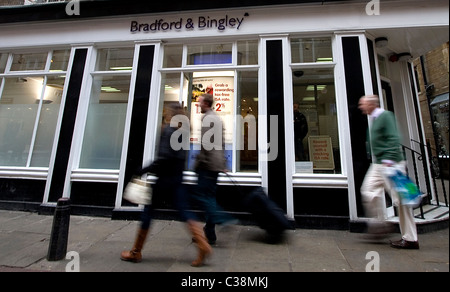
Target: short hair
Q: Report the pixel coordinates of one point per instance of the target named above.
(374, 99)
(208, 98)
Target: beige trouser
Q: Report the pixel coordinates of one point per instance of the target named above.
(372, 191)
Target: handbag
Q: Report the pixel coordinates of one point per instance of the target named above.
(138, 192)
(407, 190)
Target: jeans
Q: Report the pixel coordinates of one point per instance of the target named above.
(205, 194)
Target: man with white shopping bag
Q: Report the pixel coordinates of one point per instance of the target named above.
(384, 144)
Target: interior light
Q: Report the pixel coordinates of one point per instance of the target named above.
(121, 68)
(324, 59)
(110, 89)
(309, 98)
(313, 87)
(381, 42)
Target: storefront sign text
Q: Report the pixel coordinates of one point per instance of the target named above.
(202, 22)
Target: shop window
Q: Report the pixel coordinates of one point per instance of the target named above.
(51, 102)
(60, 60)
(117, 59)
(382, 66)
(247, 52)
(30, 106)
(173, 56)
(25, 103)
(235, 96)
(104, 130)
(3, 61)
(316, 133)
(238, 110)
(210, 54)
(247, 130)
(311, 50)
(440, 115)
(29, 62)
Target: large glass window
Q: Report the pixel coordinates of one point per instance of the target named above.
(29, 62)
(316, 133)
(311, 50)
(211, 54)
(105, 124)
(29, 107)
(3, 61)
(235, 96)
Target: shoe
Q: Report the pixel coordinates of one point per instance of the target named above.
(204, 249)
(403, 244)
(134, 255)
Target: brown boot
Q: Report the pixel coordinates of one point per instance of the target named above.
(134, 255)
(204, 249)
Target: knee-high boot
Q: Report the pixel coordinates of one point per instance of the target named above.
(204, 249)
(134, 255)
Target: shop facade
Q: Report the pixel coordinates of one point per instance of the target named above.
(81, 102)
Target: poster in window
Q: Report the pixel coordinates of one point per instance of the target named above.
(222, 89)
(321, 152)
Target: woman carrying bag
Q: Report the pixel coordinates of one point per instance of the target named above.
(169, 169)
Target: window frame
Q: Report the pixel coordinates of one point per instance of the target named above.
(29, 171)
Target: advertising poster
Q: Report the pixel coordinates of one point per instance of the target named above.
(321, 152)
(222, 89)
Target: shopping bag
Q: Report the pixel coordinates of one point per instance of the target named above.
(138, 192)
(406, 189)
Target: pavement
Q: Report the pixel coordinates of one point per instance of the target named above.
(94, 245)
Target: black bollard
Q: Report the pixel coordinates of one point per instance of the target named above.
(60, 231)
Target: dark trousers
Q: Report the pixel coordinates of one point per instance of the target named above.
(205, 195)
(169, 186)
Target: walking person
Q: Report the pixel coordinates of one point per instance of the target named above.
(208, 164)
(384, 143)
(300, 132)
(169, 167)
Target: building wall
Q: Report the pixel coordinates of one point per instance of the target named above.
(435, 67)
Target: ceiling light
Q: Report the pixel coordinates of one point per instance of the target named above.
(381, 42)
(404, 56)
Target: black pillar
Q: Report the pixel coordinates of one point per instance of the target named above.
(68, 125)
(275, 107)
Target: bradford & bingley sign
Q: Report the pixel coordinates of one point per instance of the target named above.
(202, 22)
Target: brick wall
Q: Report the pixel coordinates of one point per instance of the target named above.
(436, 63)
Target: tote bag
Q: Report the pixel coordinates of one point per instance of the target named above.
(138, 192)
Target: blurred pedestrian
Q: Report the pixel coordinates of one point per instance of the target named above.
(300, 132)
(208, 164)
(169, 167)
(384, 144)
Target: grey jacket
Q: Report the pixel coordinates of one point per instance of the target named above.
(212, 154)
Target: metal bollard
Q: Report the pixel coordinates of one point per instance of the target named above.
(60, 231)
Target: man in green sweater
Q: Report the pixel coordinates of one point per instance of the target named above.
(384, 144)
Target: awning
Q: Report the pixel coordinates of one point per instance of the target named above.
(440, 98)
